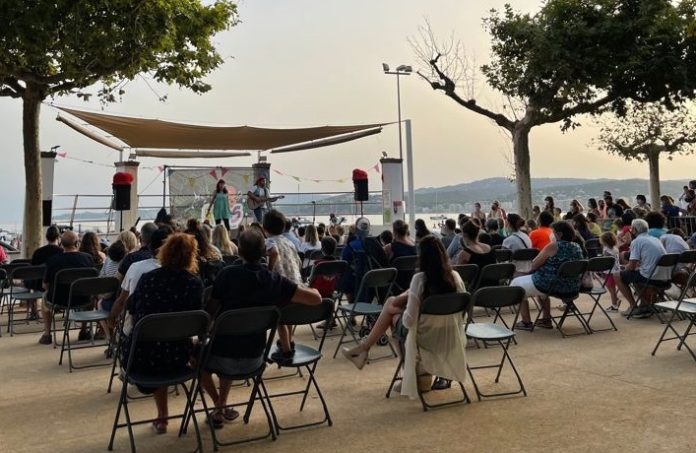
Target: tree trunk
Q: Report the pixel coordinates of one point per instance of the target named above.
(654, 164)
(32, 170)
(523, 179)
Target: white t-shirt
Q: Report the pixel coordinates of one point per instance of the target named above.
(132, 277)
(648, 250)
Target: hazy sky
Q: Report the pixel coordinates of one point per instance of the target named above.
(314, 62)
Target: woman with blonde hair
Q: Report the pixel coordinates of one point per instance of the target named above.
(221, 240)
(129, 240)
(174, 287)
(311, 240)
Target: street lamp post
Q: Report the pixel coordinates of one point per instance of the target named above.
(402, 70)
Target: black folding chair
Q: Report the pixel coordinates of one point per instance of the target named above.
(682, 309)
(685, 266)
(667, 262)
(5, 272)
(521, 256)
(593, 247)
(406, 267)
(162, 328)
(495, 275)
(376, 285)
(600, 267)
(437, 305)
(83, 293)
(495, 298)
(503, 255)
(20, 294)
(305, 356)
(63, 279)
(245, 321)
(570, 270)
(468, 273)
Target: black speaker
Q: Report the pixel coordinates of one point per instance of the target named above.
(361, 192)
(46, 211)
(122, 197)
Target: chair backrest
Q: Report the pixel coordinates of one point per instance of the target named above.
(246, 321)
(375, 252)
(498, 296)
(572, 269)
(468, 273)
(82, 289)
(493, 274)
(668, 260)
(207, 294)
(379, 281)
(21, 261)
(503, 255)
(445, 304)
(173, 326)
(339, 251)
(64, 278)
(601, 264)
(328, 269)
(301, 314)
(3, 276)
(28, 273)
(687, 257)
(316, 255)
(593, 247)
(524, 254)
(230, 260)
(405, 263)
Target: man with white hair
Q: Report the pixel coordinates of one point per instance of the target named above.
(645, 252)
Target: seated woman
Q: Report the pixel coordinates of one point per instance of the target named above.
(517, 240)
(592, 225)
(115, 254)
(543, 279)
(582, 227)
(435, 277)
(172, 288)
(89, 244)
(354, 253)
(474, 251)
(421, 230)
(221, 240)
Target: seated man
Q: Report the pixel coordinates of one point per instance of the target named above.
(71, 258)
(644, 253)
(39, 257)
(248, 285)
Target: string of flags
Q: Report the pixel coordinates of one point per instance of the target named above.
(374, 168)
(64, 155)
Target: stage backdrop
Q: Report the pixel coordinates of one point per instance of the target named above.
(191, 189)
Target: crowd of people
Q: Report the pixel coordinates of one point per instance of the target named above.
(165, 266)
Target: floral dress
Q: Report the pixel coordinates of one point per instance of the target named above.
(545, 277)
(163, 290)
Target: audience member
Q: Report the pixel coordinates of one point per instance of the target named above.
(609, 248)
(473, 251)
(656, 223)
(221, 240)
(90, 245)
(478, 214)
(142, 254)
(386, 237)
(541, 236)
(311, 241)
(448, 232)
(668, 208)
(493, 228)
(402, 245)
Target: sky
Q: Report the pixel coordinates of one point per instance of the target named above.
(316, 62)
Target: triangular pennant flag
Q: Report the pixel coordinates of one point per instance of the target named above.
(213, 174)
(223, 171)
(341, 180)
(296, 178)
(316, 180)
(376, 167)
(62, 154)
(246, 179)
(277, 171)
(160, 168)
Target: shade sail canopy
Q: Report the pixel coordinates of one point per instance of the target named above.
(155, 134)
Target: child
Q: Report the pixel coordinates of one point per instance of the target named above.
(608, 241)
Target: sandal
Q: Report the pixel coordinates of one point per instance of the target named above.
(230, 414)
(159, 426)
(441, 384)
(217, 420)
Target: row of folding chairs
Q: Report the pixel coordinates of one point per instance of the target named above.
(178, 326)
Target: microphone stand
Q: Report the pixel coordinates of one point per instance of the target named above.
(314, 212)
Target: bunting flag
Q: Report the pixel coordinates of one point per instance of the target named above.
(213, 173)
(376, 168)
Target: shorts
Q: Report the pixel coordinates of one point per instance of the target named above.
(527, 284)
(107, 304)
(635, 277)
(611, 282)
(233, 366)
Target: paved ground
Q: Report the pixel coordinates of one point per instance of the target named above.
(602, 392)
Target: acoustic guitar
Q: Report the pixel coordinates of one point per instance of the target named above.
(253, 204)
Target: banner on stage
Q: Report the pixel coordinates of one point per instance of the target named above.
(191, 190)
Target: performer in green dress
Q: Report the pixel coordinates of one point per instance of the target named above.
(220, 205)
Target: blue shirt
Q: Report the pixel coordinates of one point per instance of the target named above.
(656, 232)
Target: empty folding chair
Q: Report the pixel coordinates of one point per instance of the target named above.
(56, 299)
(242, 322)
(495, 298)
(665, 266)
(503, 255)
(18, 294)
(437, 305)
(600, 267)
(406, 268)
(495, 275)
(685, 266)
(5, 272)
(83, 293)
(468, 273)
(305, 356)
(682, 308)
(593, 247)
(375, 286)
(570, 270)
(163, 328)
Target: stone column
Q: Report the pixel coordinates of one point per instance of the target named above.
(392, 190)
(130, 216)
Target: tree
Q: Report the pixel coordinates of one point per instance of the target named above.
(573, 57)
(57, 47)
(647, 130)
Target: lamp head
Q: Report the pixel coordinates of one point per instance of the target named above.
(405, 68)
(385, 67)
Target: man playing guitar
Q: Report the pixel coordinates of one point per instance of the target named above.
(259, 198)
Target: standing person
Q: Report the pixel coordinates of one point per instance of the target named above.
(220, 204)
(593, 208)
(609, 248)
(90, 246)
(668, 208)
(496, 211)
(549, 205)
(478, 213)
(172, 288)
(259, 198)
(575, 209)
(71, 258)
(682, 202)
(642, 202)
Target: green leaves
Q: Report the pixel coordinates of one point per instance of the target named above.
(62, 45)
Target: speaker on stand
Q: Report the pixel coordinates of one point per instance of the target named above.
(360, 187)
(121, 185)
